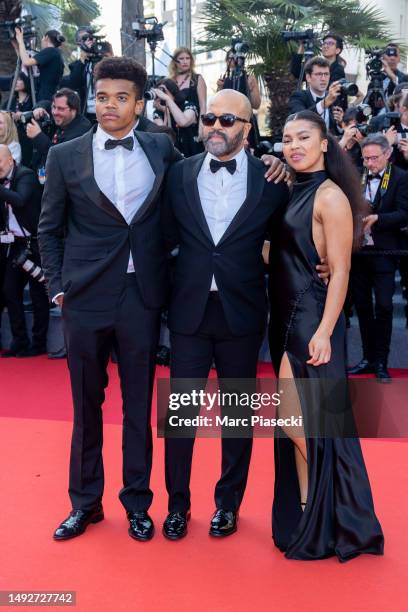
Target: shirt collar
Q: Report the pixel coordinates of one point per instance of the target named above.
(316, 95)
(240, 158)
(101, 137)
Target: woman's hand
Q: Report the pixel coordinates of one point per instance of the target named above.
(319, 349)
(162, 95)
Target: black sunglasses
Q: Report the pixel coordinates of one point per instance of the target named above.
(226, 120)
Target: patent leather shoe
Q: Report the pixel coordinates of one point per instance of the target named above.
(77, 522)
(382, 374)
(141, 526)
(223, 523)
(175, 525)
(363, 367)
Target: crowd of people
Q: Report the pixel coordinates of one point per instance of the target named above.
(95, 197)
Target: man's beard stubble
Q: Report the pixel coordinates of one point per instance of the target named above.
(223, 148)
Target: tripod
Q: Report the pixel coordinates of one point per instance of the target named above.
(376, 92)
(14, 82)
(307, 55)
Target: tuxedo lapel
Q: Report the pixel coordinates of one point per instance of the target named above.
(153, 154)
(255, 187)
(191, 169)
(84, 166)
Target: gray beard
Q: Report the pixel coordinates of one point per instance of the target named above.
(229, 145)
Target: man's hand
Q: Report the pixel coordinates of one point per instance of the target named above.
(403, 147)
(33, 129)
(59, 300)
(350, 135)
(391, 135)
(16, 116)
(388, 70)
(39, 112)
(277, 171)
(368, 222)
(332, 95)
(220, 84)
(323, 270)
(338, 114)
(265, 251)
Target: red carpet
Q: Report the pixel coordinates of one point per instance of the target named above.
(109, 571)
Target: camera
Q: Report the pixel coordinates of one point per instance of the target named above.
(43, 122)
(239, 47)
(95, 53)
(363, 128)
(151, 95)
(364, 111)
(299, 36)
(374, 65)
(148, 28)
(23, 261)
(25, 24)
(347, 88)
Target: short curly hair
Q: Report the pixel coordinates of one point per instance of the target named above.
(125, 68)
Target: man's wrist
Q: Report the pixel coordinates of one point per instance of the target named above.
(55, 298)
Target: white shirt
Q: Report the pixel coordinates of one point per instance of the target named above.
(15, 150)
(13, 225)
(323, 112)
(222, 195)
(125, 177)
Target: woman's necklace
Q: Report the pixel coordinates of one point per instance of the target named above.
(187, 77)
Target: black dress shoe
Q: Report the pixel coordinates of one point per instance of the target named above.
(382, 374)
(363, 367)
(175, 525)
(14, 351)
(141, 526)
(76, 523)
(223, 523)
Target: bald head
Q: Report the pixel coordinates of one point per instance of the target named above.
(6, 161)
(230, 101)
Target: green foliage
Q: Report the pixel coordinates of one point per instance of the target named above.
(261, 22)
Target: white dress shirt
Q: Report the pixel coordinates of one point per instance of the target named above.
(321, 110)
(125, 177)
(370, 193)
(222, 195)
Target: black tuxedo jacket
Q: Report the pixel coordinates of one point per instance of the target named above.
(236, 261)
(24, 197)
(303, 100)
(392, 210)
(84, 240)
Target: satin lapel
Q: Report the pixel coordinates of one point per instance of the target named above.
(255, 187)
(84, 166)
(191, 170)
(154, 155)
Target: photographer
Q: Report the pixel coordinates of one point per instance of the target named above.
(355, 128)
(80, 78)
(386, 190)
(319, 97)
(332, 46)
(397, 133)
(22, 103)
(20, 204)
(173, 111)
(191, 85)
(49, 61)
(390, 60)
(68, 124)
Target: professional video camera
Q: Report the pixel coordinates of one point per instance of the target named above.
(391, 119)
(24, 23)
(374, 66)
(44, 121)
(239, 47)
(299, 36)
(148, 28)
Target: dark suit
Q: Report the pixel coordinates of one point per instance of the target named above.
(377, 272)
(226, 326)
(105, 306)
(24, 197)
(303, 100)
(77, 127)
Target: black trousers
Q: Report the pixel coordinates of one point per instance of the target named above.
(374, 275)
(191, 358)
(133, 331)
(3, 261)
(14, 282)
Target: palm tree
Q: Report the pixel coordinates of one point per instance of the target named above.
(261, 23)
(65, 15)
(131, 11)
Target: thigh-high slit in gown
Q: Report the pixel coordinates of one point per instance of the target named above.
(339, 517)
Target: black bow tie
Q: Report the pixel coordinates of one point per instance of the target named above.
(373, 177)
(319, 99)
(127, 143)
(230, 165)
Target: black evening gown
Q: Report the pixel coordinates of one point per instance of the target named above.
(339, 517)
